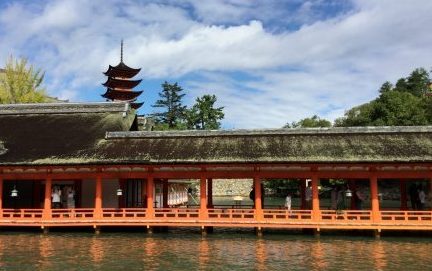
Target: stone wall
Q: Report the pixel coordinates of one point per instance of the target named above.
(235, 187)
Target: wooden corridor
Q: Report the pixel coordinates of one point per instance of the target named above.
(206, 214)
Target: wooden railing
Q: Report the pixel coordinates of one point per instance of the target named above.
(289, 215)
(352, 216)
(180, 213)
(78, 213)
(232, 214)
(416, 217)
(129, 213)
(21, 213)
(229, 216)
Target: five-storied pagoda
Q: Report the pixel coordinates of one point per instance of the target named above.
(119, 84)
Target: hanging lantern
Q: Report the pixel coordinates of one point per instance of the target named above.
(14, 193)
(119, 192)
(348, 193)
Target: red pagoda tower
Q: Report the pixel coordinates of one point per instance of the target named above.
(119, 84)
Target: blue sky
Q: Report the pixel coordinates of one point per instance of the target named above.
(268, 62)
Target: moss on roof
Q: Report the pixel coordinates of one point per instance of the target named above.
(39, 138)
(94, 134)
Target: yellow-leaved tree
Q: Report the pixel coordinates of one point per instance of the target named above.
(20, 82)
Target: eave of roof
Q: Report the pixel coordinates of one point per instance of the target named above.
(63, 108)
(270, 132)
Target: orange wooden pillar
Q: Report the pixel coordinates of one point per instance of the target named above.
(258, 203)
(403, 195)
(98, 197)
(210, 193)
(149, 190)
(315, 199)
(47, 198)
(374, 198)
(165, 193)
(203, 198)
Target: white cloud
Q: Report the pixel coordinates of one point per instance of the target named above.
(264, 78)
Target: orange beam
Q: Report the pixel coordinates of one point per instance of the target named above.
(222, 174)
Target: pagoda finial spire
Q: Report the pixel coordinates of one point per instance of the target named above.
(121, 51)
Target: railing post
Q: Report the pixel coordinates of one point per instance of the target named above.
(47, 198)
(374, 198)
(315, 199)
(98, 197)
(149, 190)
(258, 203)
(203, 198)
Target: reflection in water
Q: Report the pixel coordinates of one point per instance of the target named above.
(97, 249)
(46, 251)
(378, 254)
(260, 255)
(318, 257)
(185, 250)
(204, 254)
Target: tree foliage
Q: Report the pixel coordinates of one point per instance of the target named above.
(174, 113)
(313, 122)
(175, 116)
(21, 83)
(407, 103)
(203, 115)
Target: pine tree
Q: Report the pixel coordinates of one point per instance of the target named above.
(203, 115)
(171, 100)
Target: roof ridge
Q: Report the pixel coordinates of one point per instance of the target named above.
(49, 108)
(281, 131)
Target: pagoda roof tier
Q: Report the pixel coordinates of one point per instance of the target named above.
(121, 84)
(121, 95)
(136, 105)
(121, 71)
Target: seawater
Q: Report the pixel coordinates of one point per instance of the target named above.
(221, 250)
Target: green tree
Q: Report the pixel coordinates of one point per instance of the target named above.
(407, 103)
(203, 115)
(386, 87)
(313, 122)
(21, 83)
(418, 82)
(174, 113)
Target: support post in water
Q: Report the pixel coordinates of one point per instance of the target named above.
(149, 229)
(377, 233)
(259, 231)
(45, 229)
